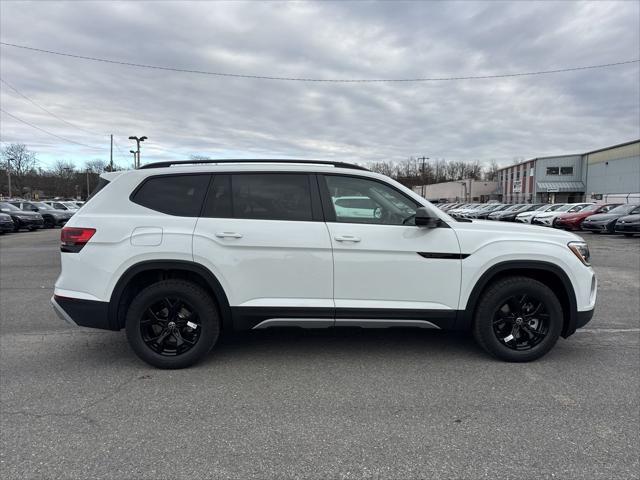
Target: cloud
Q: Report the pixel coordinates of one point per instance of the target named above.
(185, 114)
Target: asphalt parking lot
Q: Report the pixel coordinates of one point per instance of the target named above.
(328, 404)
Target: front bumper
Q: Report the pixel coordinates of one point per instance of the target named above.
(597, 227)
(82, 313)
(582, 318)
(30, 223)
(627, 227)
(545, 222)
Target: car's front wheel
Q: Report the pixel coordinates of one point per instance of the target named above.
(518, 319)
(172, 324)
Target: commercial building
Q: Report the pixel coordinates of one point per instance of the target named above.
(467, 190)
(573, 178)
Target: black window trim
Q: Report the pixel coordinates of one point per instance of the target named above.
(316, 207)
(330, 215)
(184, 174)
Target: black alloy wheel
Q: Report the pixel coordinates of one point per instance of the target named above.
(172, 323)
(521, 322)
(170, 326)
(518, 319)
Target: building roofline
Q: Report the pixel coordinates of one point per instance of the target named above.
(613, 146)
(571, 154)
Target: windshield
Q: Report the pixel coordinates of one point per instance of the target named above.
(624, 209)
(7, 207)
(70, 205)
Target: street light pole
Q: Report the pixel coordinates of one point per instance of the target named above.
(424, 159)
(135, 158)
(87, 184)
(138, 140)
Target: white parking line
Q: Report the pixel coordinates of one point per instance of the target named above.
(608, 330)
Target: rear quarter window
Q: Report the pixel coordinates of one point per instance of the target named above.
(179, 195)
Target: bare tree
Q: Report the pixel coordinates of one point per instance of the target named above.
(95, 166)
(491, 172)
(17, 159)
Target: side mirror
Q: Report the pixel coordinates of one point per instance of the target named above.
(425, 219)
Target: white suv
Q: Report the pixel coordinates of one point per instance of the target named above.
(179, 252)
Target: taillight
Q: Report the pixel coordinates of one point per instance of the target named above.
(72, 239)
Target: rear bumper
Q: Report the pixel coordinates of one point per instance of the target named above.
(82, 313)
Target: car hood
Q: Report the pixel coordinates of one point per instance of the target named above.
(510, 231)
(630, 218)
(569, 216)
(603, 217)
(25, 213)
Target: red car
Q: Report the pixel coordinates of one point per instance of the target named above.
(573, 221)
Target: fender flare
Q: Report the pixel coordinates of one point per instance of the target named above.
(203, 272)
(465, 318)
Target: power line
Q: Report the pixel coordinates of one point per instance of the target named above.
(45, 110)
(326, 80)
(49, 133)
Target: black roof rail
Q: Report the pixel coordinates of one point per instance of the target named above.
(227, 160)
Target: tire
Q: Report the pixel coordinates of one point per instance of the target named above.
(628, 234)
(532, 334)
(144, 327)
(49, 222)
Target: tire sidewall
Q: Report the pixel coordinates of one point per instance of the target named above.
(197, 298)
(483, 326)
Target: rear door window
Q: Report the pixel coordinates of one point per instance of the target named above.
(179, 195)
(264, 196)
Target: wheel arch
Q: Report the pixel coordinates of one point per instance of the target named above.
(548, 273)
(145, 273)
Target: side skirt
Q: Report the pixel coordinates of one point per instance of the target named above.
(247, 318)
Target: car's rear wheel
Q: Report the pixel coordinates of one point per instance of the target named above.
(172, 324)
(518, 319)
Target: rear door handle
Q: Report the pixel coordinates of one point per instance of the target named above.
(347, 238)
(228, 235)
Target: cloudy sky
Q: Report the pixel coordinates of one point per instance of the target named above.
(184, 114)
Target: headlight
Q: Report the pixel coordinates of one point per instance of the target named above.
(580, 250)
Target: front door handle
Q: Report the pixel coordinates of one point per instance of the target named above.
(228, 235)
(347, 238)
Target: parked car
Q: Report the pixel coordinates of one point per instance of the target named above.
(357, 207)
(510, 208)
(526, 217)
(486, 208)
(510, 215)
(52, 217)
(22, 219)
(261, 244)
(62, 205)
(605, 222)
(573, 220)
(6, 223)
(547, 218)
(629, 224)
(483, 215)
(460, 211)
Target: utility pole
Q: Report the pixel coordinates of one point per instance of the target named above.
(138, 140)
(424, 159)
(110, 157)
(87, 184)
